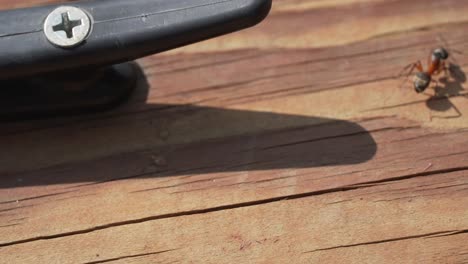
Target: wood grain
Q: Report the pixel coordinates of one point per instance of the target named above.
(371, 223)
(291, 141)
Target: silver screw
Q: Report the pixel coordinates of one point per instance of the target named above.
(67, 26)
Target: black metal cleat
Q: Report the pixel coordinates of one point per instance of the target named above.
(71, 58)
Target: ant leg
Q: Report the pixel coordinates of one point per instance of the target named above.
(446, 69)
(430, 110)
(435, 88)
(412, 67)
(419, 66)
(431, 96)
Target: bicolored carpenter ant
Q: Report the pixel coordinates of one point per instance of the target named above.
(435, 65)
(438, 62)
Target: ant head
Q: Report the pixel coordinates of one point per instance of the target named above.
(421, 81)
(440, 53)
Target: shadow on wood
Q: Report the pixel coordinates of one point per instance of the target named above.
(141, 140)
(447, 88)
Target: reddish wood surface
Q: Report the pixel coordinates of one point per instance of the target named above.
(291, 141)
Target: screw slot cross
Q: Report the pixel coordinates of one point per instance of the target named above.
(67, 25)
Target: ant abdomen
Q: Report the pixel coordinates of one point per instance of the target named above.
(421, 81)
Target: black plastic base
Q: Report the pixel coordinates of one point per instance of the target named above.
(67, 93)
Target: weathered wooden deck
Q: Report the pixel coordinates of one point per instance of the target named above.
(291, 142)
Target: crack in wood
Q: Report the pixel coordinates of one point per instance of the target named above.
(410, 197)
(35, 197)
(131, 256)
(349, 56)
(276, 93)
(10, 225)
(445, 156)
(454, 233)
(180, 184)
(428, 235)
(180, 214)
(16, 208)
(410, 176)
(416, 102)
(334, 137)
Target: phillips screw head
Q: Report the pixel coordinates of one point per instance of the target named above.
(67, 26)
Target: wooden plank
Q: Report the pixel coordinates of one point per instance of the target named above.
(256, 167)
(256, 147)
(403, 221)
